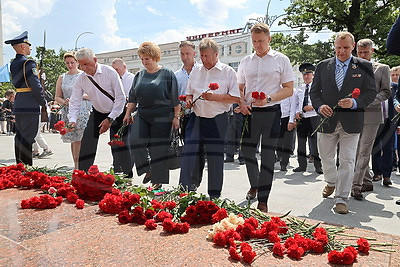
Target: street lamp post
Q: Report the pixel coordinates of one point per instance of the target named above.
(77, 38)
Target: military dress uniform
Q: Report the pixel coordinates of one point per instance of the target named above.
(27, 104)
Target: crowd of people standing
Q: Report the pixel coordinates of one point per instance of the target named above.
(344, 109)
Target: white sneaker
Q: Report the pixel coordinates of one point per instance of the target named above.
(45, 153)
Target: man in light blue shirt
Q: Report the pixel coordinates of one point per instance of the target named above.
(188, 54)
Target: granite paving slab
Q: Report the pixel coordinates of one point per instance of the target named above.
(66, 236)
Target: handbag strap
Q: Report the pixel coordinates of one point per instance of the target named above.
(107, 94)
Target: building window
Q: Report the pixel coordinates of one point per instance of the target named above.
(238, 49)
(234, 65)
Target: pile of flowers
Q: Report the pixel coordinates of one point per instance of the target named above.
(42, 202)
(245, 232)
(92, 185)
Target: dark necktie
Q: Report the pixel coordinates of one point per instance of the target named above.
(305, 101)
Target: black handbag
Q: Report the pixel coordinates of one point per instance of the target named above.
(174, 151)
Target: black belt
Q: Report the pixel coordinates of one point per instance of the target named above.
(265, 109)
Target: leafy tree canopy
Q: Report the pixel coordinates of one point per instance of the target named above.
(298, 51)
(363, 18)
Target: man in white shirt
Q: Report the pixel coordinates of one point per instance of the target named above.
(108, 100)
(270, 72)
(208, 122)
(127, 79)
(308, 121)
(188, 54)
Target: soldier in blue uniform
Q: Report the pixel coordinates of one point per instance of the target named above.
(28, 100)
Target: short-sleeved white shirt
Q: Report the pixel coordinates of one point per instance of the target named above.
(266, 74)
(199, 80)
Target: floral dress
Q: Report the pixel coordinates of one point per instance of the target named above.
(67, 85)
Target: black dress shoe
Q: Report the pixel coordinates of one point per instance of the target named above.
(319, 170)
(241, 162)
(356, 193)
(398, 202)
(251, 194)
(367, 188)
(147, 178)
(386, 181)
(299, 169)
(263, 207)
(229, 160)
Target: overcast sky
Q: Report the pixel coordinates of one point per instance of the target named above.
(124, 24)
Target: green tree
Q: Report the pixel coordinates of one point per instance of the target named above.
(53, 65)
(297, 49)
(363, 18)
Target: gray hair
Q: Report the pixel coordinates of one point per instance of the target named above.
(208, 43)
(85, 53)
(364, 43)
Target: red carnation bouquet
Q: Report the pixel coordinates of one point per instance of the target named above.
(355, 94)
(256, 96)
(211, 87)
(117, 138)
(92, 185)
(62, 128)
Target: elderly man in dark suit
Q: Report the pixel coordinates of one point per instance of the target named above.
(331, 94)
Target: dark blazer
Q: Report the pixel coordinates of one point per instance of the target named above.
(324, 91)
(393, 39)
(26, 102)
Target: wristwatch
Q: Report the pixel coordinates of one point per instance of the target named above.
(111, 120)
(268, 99)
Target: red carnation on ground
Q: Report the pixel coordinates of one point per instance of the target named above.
(213, 86)
(248, 255)
(356, 93)
(124, 217)
(219, 239)
(72, 198)
(363, 246)
(278, 249)
(219, 215)
(335, 257)
(295, 252)
(233, 253)
(80, 204)
(150, 224)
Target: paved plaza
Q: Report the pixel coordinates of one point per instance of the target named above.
(299, 193)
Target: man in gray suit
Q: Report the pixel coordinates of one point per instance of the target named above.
(373, 117)
(331, 95)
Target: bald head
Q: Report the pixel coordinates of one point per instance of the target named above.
(119, 65)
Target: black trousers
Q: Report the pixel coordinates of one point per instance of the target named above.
(122, 161)
(90, 140)
(197, 174)
(26, 127)
(152, 132)
(211, 132)
(264, 123)
(285, 143)
(304, 130)
(233, 135)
